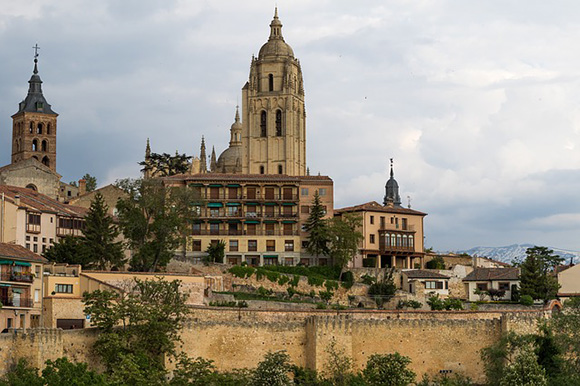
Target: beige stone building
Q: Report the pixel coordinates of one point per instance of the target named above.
(569, 280)
(425, 282)
(35, 221)
(483, 279)
(258, 216)
(392, 234)
(20, 287)
(65, 284)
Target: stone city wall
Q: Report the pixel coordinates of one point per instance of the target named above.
(237, 338)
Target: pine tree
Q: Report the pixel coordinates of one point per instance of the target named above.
(99, 245)
(536, 277)
(317, 228)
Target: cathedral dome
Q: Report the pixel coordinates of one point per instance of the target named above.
(230, 160)
(275, 46)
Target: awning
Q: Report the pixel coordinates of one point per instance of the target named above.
(252, 203)
(214, 221)
(251, 222)
(215, 205)
(6, 262)
(271, 203)
(270, 221)
(215, 185)
(288, 222)
(234, 221)
(17, 290)
(270, 256)
(289, 203)
(233, 185)
(233, 204)
(195, 185)
(22, 263)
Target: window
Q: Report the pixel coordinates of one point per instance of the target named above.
(251, 192)
(382, 221)
(270, 229)
(372, 239)
(44, 146)
(270, 245)
(270, 260)
(35, 145)
(63, 289)
(279, 169)
(270, 194)
(261, 170)
(196, 229)
(481, 286)
(39, 106)
(429, 285)
(270, 82)
(36, 295)
(48, 129)
(39, 128)
(27, 238)
(322, 192)
(252, 245)
(35, 248)
(214, 212)
(196, 246)
(233, 245)
(279, 123)
(232, 211)
(263, 124)
(35, 239)
(504, 286)
(250, 229)
(304, 191)
(404, 224)
(289, 245)
(214, 229)
(372, 219)
(214, 192)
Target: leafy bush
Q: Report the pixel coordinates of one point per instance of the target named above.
(273, 370)
(347, 279)
(295, 280)
(436, 263)
(409, 304)
(232, 303)
(320, 306)
(331, 285)
(316, 281)
(526, 300)
(367, 279)
(264, 292)
(283, 279)
(326, 295)
(241, 271)
(438, 304)
(445, 380)
(383, 291)
(495, 294)
(388, 370)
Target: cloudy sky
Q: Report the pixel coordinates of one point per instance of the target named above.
(477, 101)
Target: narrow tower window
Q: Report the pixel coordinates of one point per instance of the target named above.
(48, 128)
(31, 129)
(39, 128)
(44, 146)
(46, 161)
(263, 119)
(261, 169)
(271, 82)
(279, 169)
(279, 123)
(35, 145)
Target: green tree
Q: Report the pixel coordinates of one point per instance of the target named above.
(163, 165)
(69, 250)
(216, 252)
(63, 372)
(91, 182)
(150, 317)
(435, 263)
(388, 370)
(22, 374)
(187, 202)
(536, 278)
(338, 368)
(384, 290)
(524, 370)
(317, 228)
(101, 249)
(150, 222)
(273, 370)
(344, 238)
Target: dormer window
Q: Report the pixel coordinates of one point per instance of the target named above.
(39, 106)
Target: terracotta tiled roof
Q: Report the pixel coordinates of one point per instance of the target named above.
(488, 274)
(374, 206)
(33, 200)
(424, 274)
(224, 177)
(18, 252)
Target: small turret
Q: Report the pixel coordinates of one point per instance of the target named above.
(213, 162)
(392, 190)
(202, 157)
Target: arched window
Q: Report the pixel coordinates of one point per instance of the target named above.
(45, 161)
(48, 128)
(39, 128)
(263, 126)
(271, 82)
(411, 241)
(279, 169)
(35, 157)
(35, 145)
(31, 129)
(279, 123)
(32, 186)
(261, 169)
(44, 146)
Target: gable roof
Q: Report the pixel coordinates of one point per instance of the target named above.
(489, 274)
(29, 163)
(373, 206)
(18, 252)
(33, 200)
(424, 274)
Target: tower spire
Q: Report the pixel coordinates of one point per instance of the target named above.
(202, 157)
(147, 150)
(392, 196)
(276, 27)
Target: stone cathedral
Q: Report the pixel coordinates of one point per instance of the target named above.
(270, 135)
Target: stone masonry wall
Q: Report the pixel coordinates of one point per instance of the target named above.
(236, 338)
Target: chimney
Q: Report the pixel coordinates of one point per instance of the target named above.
(82, 186)
(17, 200)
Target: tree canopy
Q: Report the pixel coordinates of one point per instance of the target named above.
(163, 165)
(344, 238)
(317, 228)
(536, 278)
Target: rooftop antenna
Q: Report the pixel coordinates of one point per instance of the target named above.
(409, 199)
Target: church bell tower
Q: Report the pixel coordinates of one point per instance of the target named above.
(34, 125)
(274, 118)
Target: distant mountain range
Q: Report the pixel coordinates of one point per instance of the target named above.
(511, 252)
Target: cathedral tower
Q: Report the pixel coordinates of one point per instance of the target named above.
(274, 118)
(34, 125)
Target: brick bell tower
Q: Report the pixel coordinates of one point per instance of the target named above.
(34, 125)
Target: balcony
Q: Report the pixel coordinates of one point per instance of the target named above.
(22, 277)
(240, 232)
(397, 227)
(24, 302)
(61, 232)
(251, 197)
(33, 228)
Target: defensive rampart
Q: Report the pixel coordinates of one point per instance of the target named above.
(239, 338)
